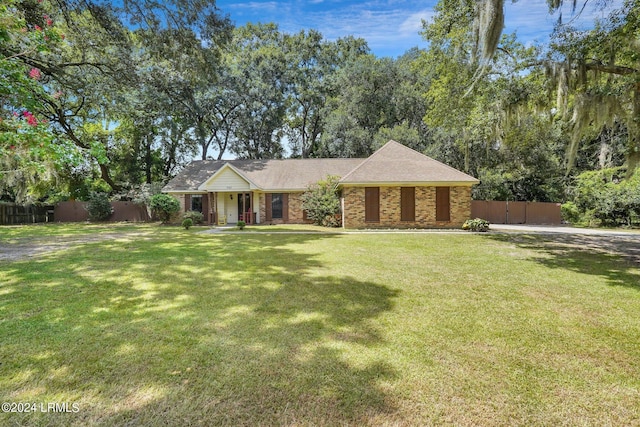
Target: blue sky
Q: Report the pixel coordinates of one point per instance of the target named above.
(391, 27)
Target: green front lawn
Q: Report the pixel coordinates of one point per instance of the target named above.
(182, 328)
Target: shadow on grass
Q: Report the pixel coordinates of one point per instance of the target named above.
(615, 258)
(211, 330)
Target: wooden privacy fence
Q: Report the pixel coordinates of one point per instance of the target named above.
(75, 211)
(11, 213)
(498, 212)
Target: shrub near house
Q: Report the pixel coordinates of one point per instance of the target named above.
(164, 206)
(322, 202)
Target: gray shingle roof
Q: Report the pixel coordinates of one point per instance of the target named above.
(268, 175)
(393, 163)
(294, 174)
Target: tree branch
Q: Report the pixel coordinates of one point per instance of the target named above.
(612, 69)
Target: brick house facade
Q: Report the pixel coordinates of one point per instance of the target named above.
(390, 208)
(396, 187)
(294, 213)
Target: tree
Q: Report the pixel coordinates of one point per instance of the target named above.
(258, 60)
(497, 125)
(86, 77)
(605, 196)
(456, 104)
(30, 153)
(377, 100)
(226, 106)
(312, 63)
(186, 69)
(597, 74)
(488, 20)
(99, 207)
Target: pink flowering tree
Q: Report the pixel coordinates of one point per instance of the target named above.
(30, 152)
(67, 98)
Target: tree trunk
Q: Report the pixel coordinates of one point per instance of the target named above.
(104, 174)
(147, 158)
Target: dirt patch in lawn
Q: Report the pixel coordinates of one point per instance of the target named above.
(20, 249)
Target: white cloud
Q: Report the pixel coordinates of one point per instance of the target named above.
(255, 11)
(254, 5)
(387, 31)
(413, 24)
(392, 26)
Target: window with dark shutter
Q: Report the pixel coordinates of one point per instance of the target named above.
(277, 204)
(372, 204)
(408, 204)
(443, 208)
(196, 203)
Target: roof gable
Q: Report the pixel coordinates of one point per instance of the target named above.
(227, 178)
(192, 176)
(395, 163)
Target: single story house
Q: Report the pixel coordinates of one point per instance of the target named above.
(396, 187)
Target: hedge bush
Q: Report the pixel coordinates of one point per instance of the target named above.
(195, 216)
(99, 207)
(164, 206)
(605, 197)
(476, 224)
(322, 202)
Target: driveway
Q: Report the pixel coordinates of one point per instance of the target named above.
(563, 229)
(625, 244)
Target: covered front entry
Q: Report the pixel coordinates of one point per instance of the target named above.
(234, 207)
(232, 194)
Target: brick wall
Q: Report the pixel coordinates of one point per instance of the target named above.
(182, 199)
(425, 208)
(353, 207)
(261, 205)
(460, 205)
(296, 215)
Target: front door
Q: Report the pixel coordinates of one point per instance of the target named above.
(229, 207)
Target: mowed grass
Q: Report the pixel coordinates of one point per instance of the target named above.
(182, 328)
